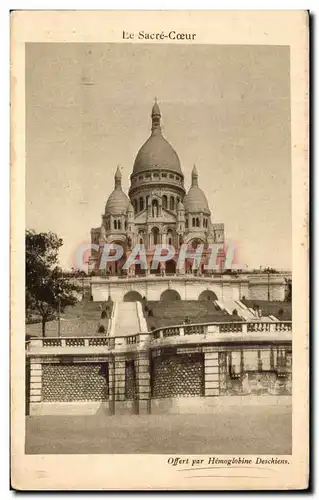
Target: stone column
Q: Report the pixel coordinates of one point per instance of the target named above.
(211, 374)
(116, 382)
(143, 383)
(35, 384)
(119, 374)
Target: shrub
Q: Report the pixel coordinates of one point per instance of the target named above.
(150, 312)
(101, 329)
(103, 315)
(235, 313)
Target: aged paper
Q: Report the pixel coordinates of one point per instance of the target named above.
(205, 402)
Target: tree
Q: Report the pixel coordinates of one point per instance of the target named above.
(46, 289)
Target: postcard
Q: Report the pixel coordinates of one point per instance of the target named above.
(159, 250)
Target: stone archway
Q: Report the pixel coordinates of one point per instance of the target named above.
(207, 295)
(114, 268)
(169, 296)
(132, 297)
(155, 236)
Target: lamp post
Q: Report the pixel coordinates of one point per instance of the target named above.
(59, 317)
(268, 294)
(59, 291)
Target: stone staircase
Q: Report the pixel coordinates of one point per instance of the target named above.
(126, 319)
(244, 312)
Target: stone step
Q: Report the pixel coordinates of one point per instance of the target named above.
(126, 320)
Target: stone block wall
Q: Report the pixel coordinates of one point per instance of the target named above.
(178, 375)
(252, 286)
(66, 382)
(131, 380)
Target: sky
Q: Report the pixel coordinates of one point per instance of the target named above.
(224, 108)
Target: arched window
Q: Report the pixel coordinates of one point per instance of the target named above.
(177, 200)
(141, 204)
(115, 224)
(172, 203)
(140, 237)
(169, 237)
(193, 221)
(155, 235)
(197, 222)
(186, 223)
(119, 224)
(164, 201)
(195, 243)
(125, 225)
(135, 206)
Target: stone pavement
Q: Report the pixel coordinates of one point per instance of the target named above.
(230, 430)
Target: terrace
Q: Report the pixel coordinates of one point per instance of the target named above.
(190, 334)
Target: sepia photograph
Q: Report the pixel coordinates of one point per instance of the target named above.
(158, 251)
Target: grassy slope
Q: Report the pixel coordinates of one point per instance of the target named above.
(175, 313)
(81, 320)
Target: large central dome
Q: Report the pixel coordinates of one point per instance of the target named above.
(156, 153)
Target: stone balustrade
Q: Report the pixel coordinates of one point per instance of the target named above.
(220, 328)
(199, 332)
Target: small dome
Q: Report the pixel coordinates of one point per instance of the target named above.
(180, 206)
(195, 200)
(117, 203)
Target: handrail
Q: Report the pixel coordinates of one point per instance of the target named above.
(217, 323)
(87, 337)
(110, 341)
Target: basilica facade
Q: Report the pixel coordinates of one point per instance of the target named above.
(157, 209)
